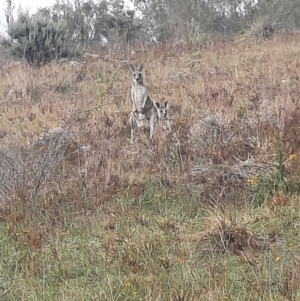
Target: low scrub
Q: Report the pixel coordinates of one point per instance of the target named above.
(39, 39)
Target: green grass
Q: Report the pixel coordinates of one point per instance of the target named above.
(150, 249)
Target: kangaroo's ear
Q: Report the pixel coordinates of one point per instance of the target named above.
(167, 105)
(131, 67)
(142, 66)
(157, 104)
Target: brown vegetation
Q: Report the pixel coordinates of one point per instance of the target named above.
(211, 197)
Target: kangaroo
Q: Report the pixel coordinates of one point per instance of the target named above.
(142, 105)
(163, 116)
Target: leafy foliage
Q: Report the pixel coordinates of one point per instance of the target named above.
(99, 23)
(112, 23)
(39, 38)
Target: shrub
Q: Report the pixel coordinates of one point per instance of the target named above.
(39, 39)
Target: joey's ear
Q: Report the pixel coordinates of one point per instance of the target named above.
(142, 66)
(167, 105)
(157, 104)
(131, 67)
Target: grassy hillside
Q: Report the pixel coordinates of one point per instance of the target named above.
(210, 212)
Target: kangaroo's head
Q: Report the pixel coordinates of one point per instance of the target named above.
(163, 115)
(137, 75)
(162, 109)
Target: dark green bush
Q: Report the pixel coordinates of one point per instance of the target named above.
(39, 39)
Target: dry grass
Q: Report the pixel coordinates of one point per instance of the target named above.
(208, 213)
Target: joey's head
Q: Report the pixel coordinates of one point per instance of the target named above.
(162, 109)
(137, 75)
(163, 113)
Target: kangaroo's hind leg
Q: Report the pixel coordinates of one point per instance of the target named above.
(153, 123)
(133, 126)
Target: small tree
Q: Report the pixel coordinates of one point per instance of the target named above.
(39, 38)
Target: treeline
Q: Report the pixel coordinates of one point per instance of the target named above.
(68, 28)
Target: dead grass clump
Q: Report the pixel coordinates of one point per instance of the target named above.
(33, 177)
(261, 30)
(219, 138)
(228, 150)
(223, 180)
(205, 132)
(222, 235)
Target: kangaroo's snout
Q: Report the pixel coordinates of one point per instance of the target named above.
(162, 113)
(138, 77)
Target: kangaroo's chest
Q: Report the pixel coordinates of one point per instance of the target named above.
(138, 92)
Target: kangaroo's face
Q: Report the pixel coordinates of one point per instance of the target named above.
(137, 77)
(162, 109)
(137, 74)
(163, 115)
